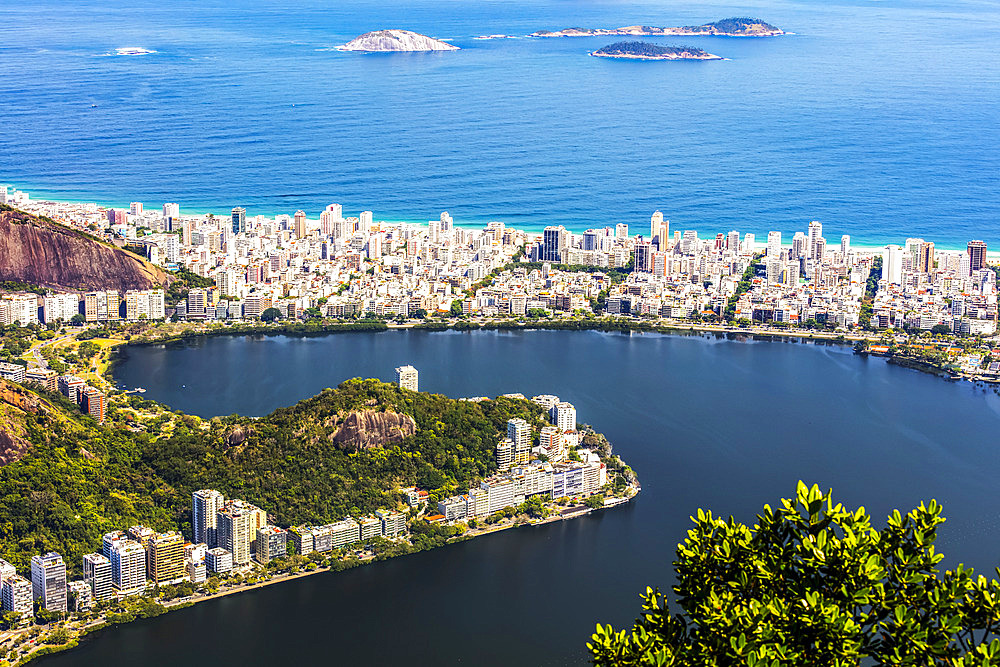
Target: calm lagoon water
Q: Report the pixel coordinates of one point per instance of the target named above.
(878, 118)
(705, 423)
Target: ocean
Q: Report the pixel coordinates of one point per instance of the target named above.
(878, 118)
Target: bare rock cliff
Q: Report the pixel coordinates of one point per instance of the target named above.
(368, 428)
(41, 252)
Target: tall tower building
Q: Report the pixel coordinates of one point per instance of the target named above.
(205, 505)
(237, 525)
(773, 244)
(892, 264)
(239, 220)
(643, 257)
(815, 234)
(977, 255)
(97, 575)
(553, 243)
(407, 378)
(845, 246)
(925, 261)
(48, 581)
(505, 454)
(563, 415)
(659, 230)
(300, 225)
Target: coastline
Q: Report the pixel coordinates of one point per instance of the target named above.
(532, 229)
(77, 634)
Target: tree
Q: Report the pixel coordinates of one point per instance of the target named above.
(456, 308)
(77, 320)
(940, 329)
(813, 584)
(270, 315)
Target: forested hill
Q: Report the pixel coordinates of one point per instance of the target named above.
(341, 452)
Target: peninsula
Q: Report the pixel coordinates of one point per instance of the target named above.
(732, 27)
(380, 41)
(647, 51)
(360, 473)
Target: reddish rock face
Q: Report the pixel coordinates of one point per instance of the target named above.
(44, 253)
(372, 429)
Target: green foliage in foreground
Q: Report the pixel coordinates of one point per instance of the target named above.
(813, 584)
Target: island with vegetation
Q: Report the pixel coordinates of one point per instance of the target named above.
(67, 479)
(732, 27)
(381, 41)
(649, 51)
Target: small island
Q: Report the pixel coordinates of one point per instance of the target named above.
(380, 41)
(732, 27)
(648, 51)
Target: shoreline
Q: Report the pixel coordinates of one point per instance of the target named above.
(862, 342)
(532, 229)
(43, 649)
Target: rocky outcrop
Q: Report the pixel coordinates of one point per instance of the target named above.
(396, 40)
(368, 428)
(41, 252)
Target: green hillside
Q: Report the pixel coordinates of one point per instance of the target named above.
(78, 480)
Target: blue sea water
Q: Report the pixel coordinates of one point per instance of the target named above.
(879, 118)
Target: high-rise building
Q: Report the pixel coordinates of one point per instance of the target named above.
(505, 454)
(48, 581)
(977, 255)
(205, 505)
(239, 220)
(815, 234)
(621, 231)
(365, 221)
(563, 415)
(553, 243)
(17, 596)
(128, 568)
(892, 264)
(925, 260)
(166, 562)
(238, 522)
(97, 574)
(800, 246)
(773, 244)
(171, 210)
(643, 257)
(550, 439)
(300, 225)
(407, 377)
(659, 230)
(519, 432)
(845, 246)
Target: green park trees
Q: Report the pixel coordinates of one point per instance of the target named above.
(812, 583)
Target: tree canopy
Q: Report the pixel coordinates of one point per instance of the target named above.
(812, 583)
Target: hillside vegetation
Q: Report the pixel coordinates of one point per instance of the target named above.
(341, 452)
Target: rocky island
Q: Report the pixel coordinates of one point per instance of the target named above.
(395, 40)
(732, 27)
(647, 51)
